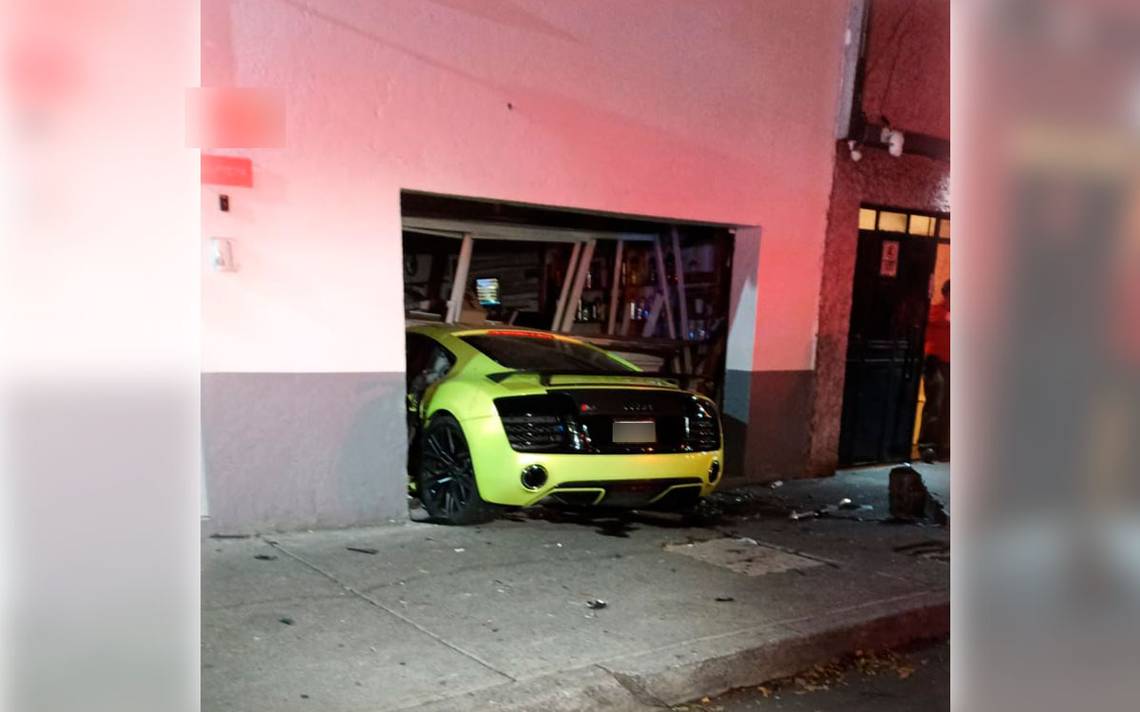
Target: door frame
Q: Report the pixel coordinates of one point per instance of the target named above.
(937, 234)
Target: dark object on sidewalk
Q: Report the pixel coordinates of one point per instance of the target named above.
(363, 549)
(265, 557)
(229, 536)
(304, 696)
(597, 604)
(286, 620)
(910, 500)
(724, 599)
(928, 548)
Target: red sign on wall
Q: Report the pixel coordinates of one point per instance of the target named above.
(227, 170)
(889, 260)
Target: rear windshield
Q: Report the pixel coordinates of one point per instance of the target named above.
(543, 353)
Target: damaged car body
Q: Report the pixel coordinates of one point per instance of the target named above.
(517, 417)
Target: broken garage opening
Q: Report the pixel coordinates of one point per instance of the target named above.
(656, 291)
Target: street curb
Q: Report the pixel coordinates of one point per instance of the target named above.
(709, 666)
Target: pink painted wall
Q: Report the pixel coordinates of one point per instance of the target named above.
(719, 111)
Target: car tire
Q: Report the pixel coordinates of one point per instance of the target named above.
(446, 477)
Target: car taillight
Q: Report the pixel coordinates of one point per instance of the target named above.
(702, 426)
(538, 423)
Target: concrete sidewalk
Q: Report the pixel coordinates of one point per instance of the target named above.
(445, 618)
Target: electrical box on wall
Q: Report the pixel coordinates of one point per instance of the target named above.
(222, 254)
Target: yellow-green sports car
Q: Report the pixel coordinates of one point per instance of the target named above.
(515, 417)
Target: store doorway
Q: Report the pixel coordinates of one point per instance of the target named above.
(896, 267)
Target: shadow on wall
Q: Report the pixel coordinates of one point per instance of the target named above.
(300, 450)
(738, 368)
(372, 460)
(508, 13)
(596, 133)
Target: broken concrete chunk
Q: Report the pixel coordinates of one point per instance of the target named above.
(910, 500)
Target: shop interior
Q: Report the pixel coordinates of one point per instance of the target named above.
(656, 292)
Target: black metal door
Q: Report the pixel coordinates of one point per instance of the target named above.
(889, 307)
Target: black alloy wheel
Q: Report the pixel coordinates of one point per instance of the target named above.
(447, 477)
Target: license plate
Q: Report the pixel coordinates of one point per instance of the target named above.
(635, 431)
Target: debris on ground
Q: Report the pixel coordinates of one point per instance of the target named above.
(286, 620)
(748, 503)
(844, 504)
(873, 664)
(832, 674)
(459, 550)
(777, 484)
(363, 550)
(724, 599)
(927, 549)
(230, 536)
(596, 604)
(265, 557)
(819, 677)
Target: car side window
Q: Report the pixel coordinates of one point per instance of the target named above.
(428, 362)
(438, 364)
(418, 348)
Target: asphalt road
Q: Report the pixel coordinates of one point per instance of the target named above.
(918, 679)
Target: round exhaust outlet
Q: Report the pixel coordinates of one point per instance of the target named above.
(714, 472)
(533, 477)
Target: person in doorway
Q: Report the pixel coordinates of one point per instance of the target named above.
(934, 437)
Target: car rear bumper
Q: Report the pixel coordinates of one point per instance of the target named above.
(590, 479)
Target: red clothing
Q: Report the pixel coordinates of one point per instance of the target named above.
(938, 332)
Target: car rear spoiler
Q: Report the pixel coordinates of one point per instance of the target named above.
(546, 376)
